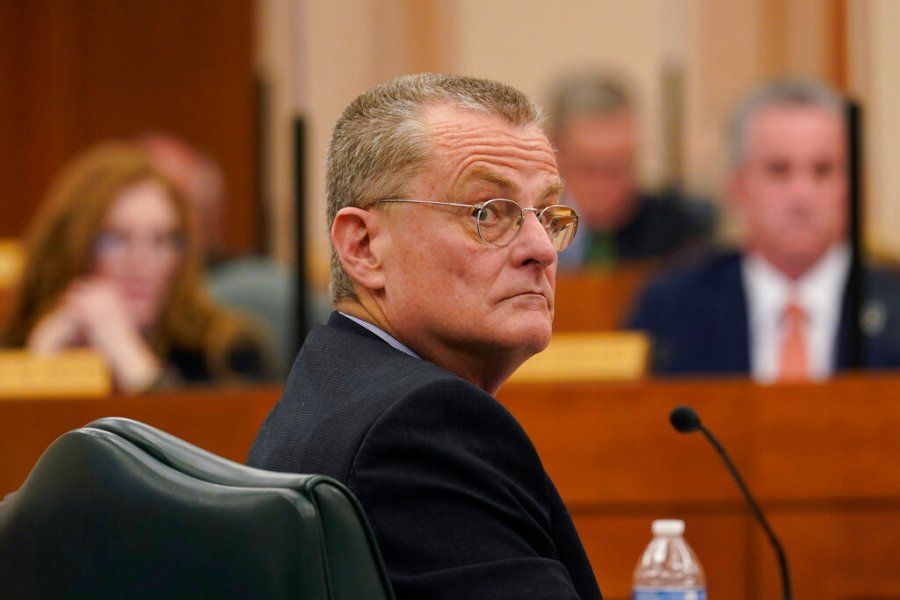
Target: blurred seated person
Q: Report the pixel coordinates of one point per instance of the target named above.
(777, 309)
(254, 284)
(200, 180)
(594, 128)
(112, 264)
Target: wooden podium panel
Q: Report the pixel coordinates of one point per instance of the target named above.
(822, 459)
(848, 552)
(68, 373)
(599, 300)
(222, 420)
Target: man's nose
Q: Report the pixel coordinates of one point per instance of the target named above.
(803, 186)
(534, 239)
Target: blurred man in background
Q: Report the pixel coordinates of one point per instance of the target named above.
(778, 309)
(595, 130)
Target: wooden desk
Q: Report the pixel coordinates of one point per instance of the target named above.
(223, 421)
(824, 461)
(599, 300)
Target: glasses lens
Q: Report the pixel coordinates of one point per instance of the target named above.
(561, 222)
(498, 221)
(115, 245)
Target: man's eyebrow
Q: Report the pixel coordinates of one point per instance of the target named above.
(554, 189)
(489, 176)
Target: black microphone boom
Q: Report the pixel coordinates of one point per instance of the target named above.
(686, 420)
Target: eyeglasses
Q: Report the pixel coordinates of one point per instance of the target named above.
(499, 221)
(116, 245)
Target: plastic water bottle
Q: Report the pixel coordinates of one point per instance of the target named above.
(669, 569)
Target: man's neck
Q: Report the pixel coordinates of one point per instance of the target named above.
(792, 270)
(486, 377)
(358, 310)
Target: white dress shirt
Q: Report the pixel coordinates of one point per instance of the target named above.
(820, 293)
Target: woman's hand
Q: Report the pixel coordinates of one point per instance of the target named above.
(56, 331)
(93, 313)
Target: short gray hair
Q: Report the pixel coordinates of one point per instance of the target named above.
(381, 141)
(791, 92)
(591, 93)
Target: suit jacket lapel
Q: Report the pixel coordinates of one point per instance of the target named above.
(734, 318)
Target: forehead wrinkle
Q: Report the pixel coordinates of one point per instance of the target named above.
(512, 157)
(449, 133)
(469, 153)
(482, 168)
(454, 137)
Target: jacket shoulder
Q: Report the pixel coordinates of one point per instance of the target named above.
(686, 286)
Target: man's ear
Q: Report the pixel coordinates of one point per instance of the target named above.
(352, 234)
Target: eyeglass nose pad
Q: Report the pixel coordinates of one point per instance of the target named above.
(537, 216)
(520, 220)
(543, 218)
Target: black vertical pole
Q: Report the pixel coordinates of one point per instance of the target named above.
(856, 278)
(263, 244)
(301, 323)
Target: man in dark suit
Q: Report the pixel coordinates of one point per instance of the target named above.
(778, 309)
(594, 126)
(441, 292)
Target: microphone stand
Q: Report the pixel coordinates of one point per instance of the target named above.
(773, 539)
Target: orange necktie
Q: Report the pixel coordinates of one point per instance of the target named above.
(792, 365)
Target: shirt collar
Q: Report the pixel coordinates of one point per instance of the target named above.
(819, 292)
(388, 338)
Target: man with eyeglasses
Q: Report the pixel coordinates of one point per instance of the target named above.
(445, 226)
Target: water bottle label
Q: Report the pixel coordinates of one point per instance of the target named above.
(658, 594)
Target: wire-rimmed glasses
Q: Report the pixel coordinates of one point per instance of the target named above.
(498, 221)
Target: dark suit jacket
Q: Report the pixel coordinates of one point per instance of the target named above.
(697, 317)
(457, 496)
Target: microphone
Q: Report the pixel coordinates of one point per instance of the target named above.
(686, 420)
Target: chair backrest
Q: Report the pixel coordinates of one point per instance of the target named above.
(119, 509)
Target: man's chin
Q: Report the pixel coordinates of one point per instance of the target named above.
(535, 339)
(801, 259)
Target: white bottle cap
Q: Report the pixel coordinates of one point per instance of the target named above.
(668, 527)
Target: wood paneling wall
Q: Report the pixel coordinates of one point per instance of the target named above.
(75, 72)
(822, 460)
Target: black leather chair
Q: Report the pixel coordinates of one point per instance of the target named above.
(119, 509)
